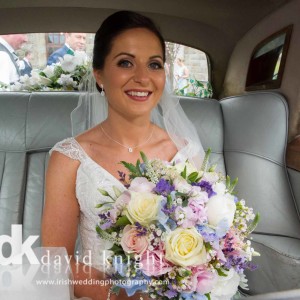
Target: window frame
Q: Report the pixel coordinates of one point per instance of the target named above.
(270, 84)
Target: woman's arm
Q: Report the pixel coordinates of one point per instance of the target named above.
(60, 223)
(186, 73)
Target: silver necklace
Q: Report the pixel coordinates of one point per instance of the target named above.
(130, 149)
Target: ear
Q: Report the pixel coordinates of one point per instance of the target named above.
(98, 76)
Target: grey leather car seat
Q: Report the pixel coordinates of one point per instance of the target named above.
(30, 124)
(255, 138)
(247, 135)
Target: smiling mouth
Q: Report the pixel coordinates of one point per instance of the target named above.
(139, 95)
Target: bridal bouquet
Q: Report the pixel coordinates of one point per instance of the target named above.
(65, 75)
(177, 232)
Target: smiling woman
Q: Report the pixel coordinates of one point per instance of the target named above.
(129, 57)
(133, 75)
(248, 131)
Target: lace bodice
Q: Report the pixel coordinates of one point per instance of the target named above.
(90, 177)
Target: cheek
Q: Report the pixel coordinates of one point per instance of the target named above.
(117, 80)
(160, 84)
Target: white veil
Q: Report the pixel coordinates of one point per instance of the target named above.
(92, 109)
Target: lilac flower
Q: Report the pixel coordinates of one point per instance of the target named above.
(122, 176)
(205, 186)
(170, 293)
(185, 216)
(164, 216)
(208, 234)
(163, 187)
(141, 230)
(106, 225)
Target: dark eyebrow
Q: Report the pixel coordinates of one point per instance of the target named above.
(133, 56)
(124, 53)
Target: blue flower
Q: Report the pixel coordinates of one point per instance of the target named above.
(170, 293)
(193, 296)
(222, 228)
(131, 290)
(208, 234)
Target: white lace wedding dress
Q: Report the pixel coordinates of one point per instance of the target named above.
(90, 177)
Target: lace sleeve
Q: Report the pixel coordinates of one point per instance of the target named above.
(71, 148)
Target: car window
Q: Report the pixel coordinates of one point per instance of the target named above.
(58, 61)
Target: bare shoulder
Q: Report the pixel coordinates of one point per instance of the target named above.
(89, 139)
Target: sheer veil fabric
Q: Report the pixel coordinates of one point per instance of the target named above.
(92, 109)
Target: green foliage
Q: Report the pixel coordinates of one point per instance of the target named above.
(230, 185)
(196, 88)
(122, 221)
(206, 160)
(254, 223)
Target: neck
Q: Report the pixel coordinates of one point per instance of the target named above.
(128, 132)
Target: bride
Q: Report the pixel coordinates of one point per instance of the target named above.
(128, 65)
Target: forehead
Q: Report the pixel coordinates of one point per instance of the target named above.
(137, 39)
(78, 35)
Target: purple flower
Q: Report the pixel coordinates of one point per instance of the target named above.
(205, 186)
(122, 176)
(140, 229)
(163, 187)
(170, 293)
(106, 225)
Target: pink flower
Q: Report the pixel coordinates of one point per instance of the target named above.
(203, 280)
(185, 217)
(198, 208)
(199, 195)
(122, 201)
(141, 185)
(132, 241)
(154, 264)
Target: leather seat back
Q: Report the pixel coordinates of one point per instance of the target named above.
(255, 138)
(30, 124)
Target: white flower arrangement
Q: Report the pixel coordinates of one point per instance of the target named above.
(66, 75)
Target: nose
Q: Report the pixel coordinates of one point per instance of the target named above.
(141, 75)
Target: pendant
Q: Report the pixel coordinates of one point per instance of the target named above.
(130, 150)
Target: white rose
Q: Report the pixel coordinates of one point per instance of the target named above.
(189, 167)
(181, 185)
(80, 57)
(219, 188)
(210, 177)
(226, 286)
(185, 247)
(68, 63)
(17, 86)
(143, 208)
(219, 208)
(49, 71)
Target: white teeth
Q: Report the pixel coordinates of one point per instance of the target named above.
(139, 94)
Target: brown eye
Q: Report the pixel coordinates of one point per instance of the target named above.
(155, 66)
(124, 63)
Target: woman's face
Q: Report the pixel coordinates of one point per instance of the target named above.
(133, 76)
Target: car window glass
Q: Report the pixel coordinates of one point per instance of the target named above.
(44, 67)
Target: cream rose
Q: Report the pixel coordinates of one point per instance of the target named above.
(219, 208)
(185, 247)
(143, 208)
